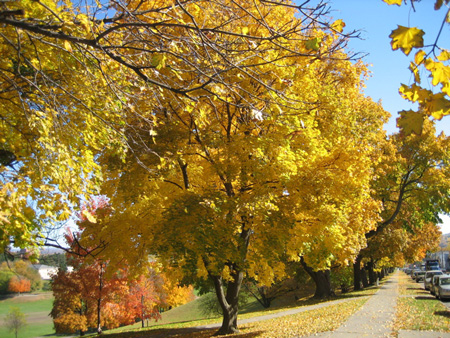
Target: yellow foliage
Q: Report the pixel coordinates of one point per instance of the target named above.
(406, 38)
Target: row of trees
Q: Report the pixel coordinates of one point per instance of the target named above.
(231, 138)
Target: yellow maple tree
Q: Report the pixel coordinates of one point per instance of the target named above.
(227, 182)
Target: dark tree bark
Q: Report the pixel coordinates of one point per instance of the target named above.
(364, 279)
(99, 300)
(372, 275)
(322, 280)
(228, 301)
(357, 273)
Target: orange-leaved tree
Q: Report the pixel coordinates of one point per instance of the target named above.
(19, 284)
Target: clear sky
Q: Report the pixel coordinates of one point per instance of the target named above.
(376, 20)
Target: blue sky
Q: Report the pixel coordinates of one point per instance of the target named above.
(376, 20)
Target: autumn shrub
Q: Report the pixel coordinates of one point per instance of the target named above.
(342, 278)
(19, 284)
(5, 276)
(210, 306)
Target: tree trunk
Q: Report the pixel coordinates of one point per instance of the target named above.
(372, 275)
(357, 273)
(322, 280)
(99, 300)
(228, 301)
(142, 310)
(99, 325)
(364, 280)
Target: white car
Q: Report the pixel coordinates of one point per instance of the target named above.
(442, 288)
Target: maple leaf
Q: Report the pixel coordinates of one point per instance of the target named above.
(393, 2)
(414, 93)
(444, 56)
(439, 72)
(420, 57)
(406, 38)
(313, 44)
(438, 106)
(338, 25)
(410, 122)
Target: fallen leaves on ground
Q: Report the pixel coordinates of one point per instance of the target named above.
(302, 324)
(419, 310)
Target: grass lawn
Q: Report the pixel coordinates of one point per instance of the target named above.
(417, 309)
(36, 308)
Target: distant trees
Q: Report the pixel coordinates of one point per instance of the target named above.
(19, 276)
(56, 259)
(411, 181)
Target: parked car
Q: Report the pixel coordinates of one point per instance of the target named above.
(443, 287)
(435, 283)
(428, 279)
(420, 276)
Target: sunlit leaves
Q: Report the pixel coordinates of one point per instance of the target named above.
(433, 102)
(393, 2)
(313, 44)
(338, 25)
(406, 38)
(440, 73)
(55, 114)
(414, 93)
(410, 122)
(438, 106)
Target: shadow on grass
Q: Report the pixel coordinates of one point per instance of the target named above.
(445, 314)
(430, 297)
(184, 332)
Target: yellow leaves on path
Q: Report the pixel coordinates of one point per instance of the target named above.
(406, 38)
(302, 324)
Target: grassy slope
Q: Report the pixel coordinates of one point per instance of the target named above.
(36, 309)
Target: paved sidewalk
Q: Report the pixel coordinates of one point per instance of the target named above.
(375, 319)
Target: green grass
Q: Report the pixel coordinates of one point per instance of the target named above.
(28, 304)
(36, 309)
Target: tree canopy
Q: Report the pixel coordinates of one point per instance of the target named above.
(228, 137)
